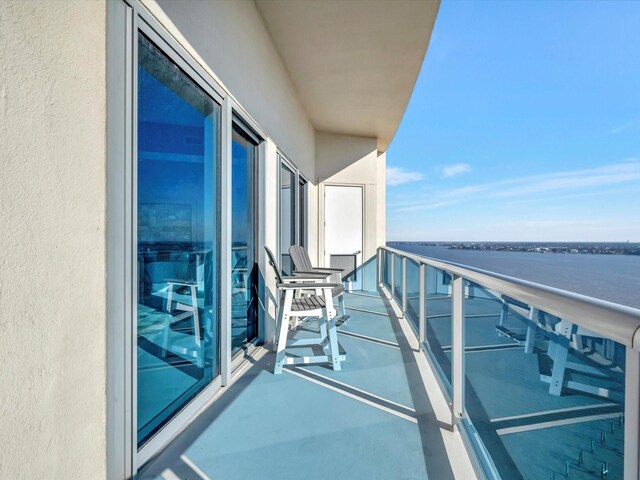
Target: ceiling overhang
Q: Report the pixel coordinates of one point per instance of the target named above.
(354, 63)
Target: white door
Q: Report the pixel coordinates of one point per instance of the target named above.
(343, 229)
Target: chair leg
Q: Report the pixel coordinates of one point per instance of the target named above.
(165, 336)
(169, 296)
(196, 326)
(532, 329)
(334, 350)
(322, 323)
(504, 312)
(279, 306)
(282, 330)
(196, 316)
(343, 310)
(560, 355)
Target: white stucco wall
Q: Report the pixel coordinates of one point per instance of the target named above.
(232, 39)
(268, 234)
(345, 159)
(52, 239)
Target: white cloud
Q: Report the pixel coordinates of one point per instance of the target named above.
(399, 176)
(531, 188)
(562, 182)
(425, 206)
(457, 169)
(572, 180)
(625, 126)
(465, 191)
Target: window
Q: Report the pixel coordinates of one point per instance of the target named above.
(292, 211)
(177, 239)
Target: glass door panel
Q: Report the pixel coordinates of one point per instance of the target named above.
(287, 216)
(243, 254)
(177, 229)
(302, 209)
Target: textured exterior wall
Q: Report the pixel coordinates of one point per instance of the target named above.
(52, 239)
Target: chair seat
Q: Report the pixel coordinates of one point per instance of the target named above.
(311, 302)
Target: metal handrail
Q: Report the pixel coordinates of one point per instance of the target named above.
(608, 319)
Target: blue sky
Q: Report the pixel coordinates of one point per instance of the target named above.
(524, 125)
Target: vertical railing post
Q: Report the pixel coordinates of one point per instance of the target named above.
(393, 274)
(422, 298)
(404, 286)
(632, 415)
(379, 265)
(457, 347)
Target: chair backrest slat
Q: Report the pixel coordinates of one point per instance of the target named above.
(300, 258)
(274, 264)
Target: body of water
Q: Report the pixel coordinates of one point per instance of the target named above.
(615, 278)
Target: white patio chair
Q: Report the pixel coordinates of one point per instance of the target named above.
(309, 304)
(188, 310)
(302, 266)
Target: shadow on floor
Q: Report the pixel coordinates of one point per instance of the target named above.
(316, 423)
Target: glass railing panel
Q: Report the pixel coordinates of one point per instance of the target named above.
(397, 278)
(545, 396)
(364, 277)
(386, 272)
(438, 317)
(413, 293)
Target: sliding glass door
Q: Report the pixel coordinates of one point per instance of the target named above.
(177, 239)
(244, 295)
(292, 211)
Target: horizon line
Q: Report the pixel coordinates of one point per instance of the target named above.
(515, 241)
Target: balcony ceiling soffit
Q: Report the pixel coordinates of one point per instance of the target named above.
(354, 63)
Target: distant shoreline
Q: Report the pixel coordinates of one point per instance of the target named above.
(562, 248)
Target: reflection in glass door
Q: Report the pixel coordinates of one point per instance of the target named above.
(302, 209)
(287, 216)
(244, 293)
(177, 230)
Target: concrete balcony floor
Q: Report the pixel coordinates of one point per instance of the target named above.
(381, 417)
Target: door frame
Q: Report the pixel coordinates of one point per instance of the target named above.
(300, 231)
(322, 222)
(243, 127)
(176, 54)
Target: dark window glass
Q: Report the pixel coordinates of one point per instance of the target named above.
(302, 203)
(243, 266)
(287, 216)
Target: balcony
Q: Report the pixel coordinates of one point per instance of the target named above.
(373, 419)
(452, 372)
